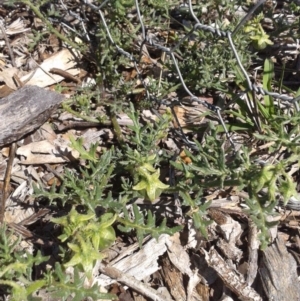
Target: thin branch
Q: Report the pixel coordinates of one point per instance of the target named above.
(11, 54)
(5, 190)
(132, 282)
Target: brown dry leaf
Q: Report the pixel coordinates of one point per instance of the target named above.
(43, 152)
(130, 74)
(15, 213)
(7, 76)
(17, 26)
(148, 116)
(180, 113)
(2, 60)
(190, 114)
(48, 133)
(146, 59)
(21, 43)
(92, 136)
(5, 151)
(3, 164)
(55, 44)
(63, 60)
(178, 255)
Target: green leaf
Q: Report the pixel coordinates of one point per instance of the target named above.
(261, 39)
(18, 291)
(35, 286)
(72, 223)
(143, 226)
(198, 213)
(287, 188)
(267, 80)
(150, 183)
(63, 287)
(85, 255)
(84, 154)
(263, 177)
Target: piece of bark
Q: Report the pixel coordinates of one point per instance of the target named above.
(140, 264)
(253, 247)
(132, 282)
(24, 111)
(278, 273)
(231, 278)
(174, 280)
(181, 260)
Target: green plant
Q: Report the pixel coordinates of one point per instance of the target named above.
(64, 286)
(211, 168)
(257, 34)
(150, 186)
(197, 211)
(144, 226)
(87, 236)
(35, 7)
(210, 51)
(16, 267)
(88, 186)
(141, 156)
(252, 114)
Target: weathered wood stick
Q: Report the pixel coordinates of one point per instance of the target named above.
(7, 177)
(24, 111)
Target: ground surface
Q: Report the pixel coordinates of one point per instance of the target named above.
(165, 167)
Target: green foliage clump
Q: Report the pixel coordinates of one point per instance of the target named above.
(208, 61)
(87, 236)
(257, 34)
(17, 266)
(63, 286)
(144, 227)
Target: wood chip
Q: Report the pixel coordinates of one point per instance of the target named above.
(278, 272)
(24, 111)
(231, 278)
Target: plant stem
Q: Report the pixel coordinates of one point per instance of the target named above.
(35, 9)
(117, 128)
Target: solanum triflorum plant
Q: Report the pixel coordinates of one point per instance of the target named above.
(145, 175)
(149, 185)
(257, 34)
(87, 236)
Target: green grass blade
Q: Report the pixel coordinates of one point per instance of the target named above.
(267, 79)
